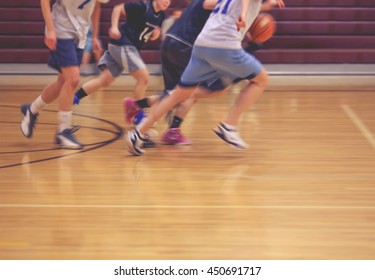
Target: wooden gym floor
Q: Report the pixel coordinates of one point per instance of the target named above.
(304, 190)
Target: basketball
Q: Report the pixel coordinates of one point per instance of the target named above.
(263, 28)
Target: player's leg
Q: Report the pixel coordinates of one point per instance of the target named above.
(250, 69)
(135, 138)
(197, 70)
(103, 80)
(209, 89)
(248, 96)
(69, 58)
(111, 66)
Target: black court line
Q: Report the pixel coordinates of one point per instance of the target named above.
(117, 132)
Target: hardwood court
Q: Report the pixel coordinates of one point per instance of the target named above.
(304, 190)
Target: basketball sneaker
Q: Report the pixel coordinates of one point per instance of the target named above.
(130, 109)
(28, 121)
(67, 140)
(174, 136)
(230, 136)
(134, 142)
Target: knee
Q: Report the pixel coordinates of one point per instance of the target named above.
(143, 80)
(106, 79)
(263, 79)
(106, 82)
(73, 81)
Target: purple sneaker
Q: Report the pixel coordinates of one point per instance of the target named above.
(130, 109)
(174, 136)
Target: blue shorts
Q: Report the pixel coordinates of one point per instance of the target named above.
(208, 65)
(66, 54)
(175, 57)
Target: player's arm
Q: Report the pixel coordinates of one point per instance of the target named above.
(280, 3)
(50, 33)
(270, 4)
(95, 19)
(117, 12)
(209, 4)
(241, 22)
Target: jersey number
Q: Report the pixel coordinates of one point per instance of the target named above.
(146, 34)
(218, 6)
(80, 7)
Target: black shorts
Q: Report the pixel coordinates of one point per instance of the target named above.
(175, 56)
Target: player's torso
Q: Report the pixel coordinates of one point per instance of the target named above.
(72, 18)
(221, 30)
(191, 22)
(139, 25)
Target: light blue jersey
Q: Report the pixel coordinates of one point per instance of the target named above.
(72, 19)
(221, 31)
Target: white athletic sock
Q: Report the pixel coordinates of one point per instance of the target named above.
(65, 120)
(38, 105)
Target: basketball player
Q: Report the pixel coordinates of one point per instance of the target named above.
(217, 52)
(65, 36)
(143, 21)
(176, 51)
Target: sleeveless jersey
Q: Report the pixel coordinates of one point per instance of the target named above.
(72, 19)
(220, 30)
(190, 24)
(141, 20)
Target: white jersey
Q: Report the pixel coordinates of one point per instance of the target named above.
(220, 30)
(72, 19)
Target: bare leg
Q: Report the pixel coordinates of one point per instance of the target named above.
(52, 91)
(142, 78)
(103, 80)
(247, 97)
(71, 80)
(178, 95)
(184, 107)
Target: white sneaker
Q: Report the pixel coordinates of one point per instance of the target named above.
(67, 140)
(134, 142)
(230, 136)
(28, 121)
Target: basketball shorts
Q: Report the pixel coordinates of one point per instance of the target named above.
(118, 59)
(210, 64)
(66, 54)
(175, 56)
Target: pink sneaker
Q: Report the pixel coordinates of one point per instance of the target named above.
(174, 136)
(130, 109)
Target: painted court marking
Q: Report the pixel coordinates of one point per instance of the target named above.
(161, 206)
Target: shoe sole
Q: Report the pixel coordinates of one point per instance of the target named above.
(68, 148)
(221, 136)
(61, 146)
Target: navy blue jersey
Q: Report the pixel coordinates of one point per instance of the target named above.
(141, 20)
(191, 22)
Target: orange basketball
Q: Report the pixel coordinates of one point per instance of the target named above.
(263, 27)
